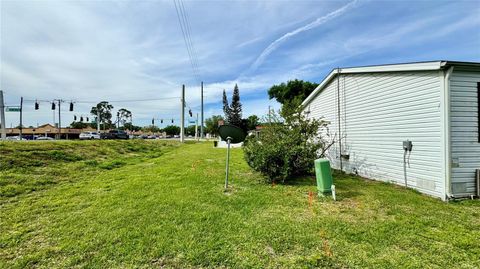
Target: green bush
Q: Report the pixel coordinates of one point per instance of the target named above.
(286, 149)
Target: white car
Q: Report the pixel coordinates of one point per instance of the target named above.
(89, 135)
(44, 138)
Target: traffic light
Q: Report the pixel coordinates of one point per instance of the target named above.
(190, 112)
(53, 106)
(87, 119)
(153, 121)
(75, 117)
(172, 120)
(71, 106)
(81, 119)
(161, 121)
(36, 106)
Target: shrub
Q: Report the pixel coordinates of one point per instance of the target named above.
(286, 148)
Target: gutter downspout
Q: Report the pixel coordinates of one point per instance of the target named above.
(339, 115)
(447, 129)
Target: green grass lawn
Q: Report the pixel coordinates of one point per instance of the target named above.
(144, 204)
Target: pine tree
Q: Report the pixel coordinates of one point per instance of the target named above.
(235, 115)
(226, 107)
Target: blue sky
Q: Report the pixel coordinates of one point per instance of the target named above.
(130, 50)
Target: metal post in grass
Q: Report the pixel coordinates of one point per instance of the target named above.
(229, 139)
(230, 134)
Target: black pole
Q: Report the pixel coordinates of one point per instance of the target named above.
(21, 117)
(59, 121)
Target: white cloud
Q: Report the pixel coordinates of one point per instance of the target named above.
(318, 22)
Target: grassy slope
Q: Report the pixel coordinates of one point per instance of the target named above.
(35, 166)
(171, 211)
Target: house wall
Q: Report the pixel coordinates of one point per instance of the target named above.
(465, 145)
(378, 112)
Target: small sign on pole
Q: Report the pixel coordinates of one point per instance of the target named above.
(13, 109)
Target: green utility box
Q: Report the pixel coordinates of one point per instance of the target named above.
(324, 176)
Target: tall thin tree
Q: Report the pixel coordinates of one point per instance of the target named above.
(226, 107)
(235, 108)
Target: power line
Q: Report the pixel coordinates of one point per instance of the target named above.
(114, 101)
(131, 101)
(189, 30)
(189, 37)
(184, 26)
(184, 35)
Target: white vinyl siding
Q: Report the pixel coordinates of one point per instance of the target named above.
(378, 112)
(465, 144)
(324, 106)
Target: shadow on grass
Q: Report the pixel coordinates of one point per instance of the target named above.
(305, 180)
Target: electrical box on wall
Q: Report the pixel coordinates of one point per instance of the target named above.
(407, 145)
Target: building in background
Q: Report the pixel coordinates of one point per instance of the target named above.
(48, 130)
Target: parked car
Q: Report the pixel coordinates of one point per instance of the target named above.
(44, 138)
(89, 135)
(114, 134)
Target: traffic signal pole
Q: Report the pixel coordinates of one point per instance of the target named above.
(2, 117)
(59, 120)
(21, 117)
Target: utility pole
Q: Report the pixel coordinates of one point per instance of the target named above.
(98, 121)
(2, 117)
(269, 117)
(21, 118)
(59, 120)
(182, 120)
(196, 128)
(202, 135)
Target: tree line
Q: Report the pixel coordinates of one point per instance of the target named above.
(289, 95)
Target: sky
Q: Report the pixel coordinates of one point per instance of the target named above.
(133, 54)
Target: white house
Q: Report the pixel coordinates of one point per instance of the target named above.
(377, 112)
